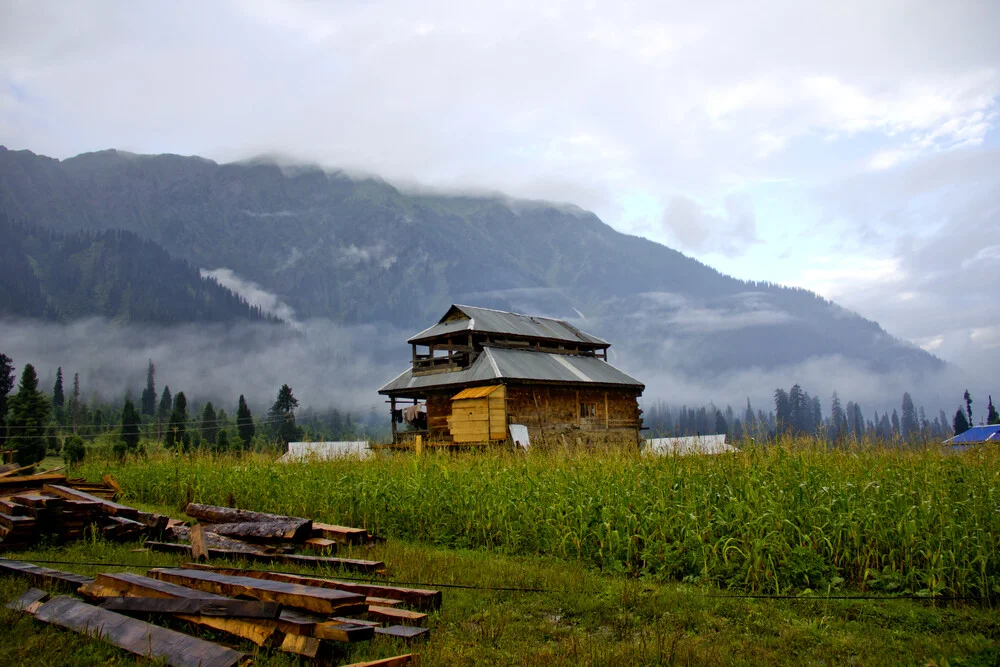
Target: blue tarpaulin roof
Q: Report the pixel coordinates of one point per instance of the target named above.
(977, 434)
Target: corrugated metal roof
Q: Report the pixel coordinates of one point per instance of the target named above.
(476, 392)
(976, 434)
(499, 363)
(498, 321)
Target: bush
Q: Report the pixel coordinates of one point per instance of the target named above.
(74, 451)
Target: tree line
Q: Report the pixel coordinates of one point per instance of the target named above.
(797, 412)
(34, 423)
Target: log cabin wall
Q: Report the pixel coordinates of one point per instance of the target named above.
(552, 408)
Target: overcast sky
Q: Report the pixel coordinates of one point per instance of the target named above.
(847, 147)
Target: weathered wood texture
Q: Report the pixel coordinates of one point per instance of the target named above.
(310, 598)
(557, 409)
(396, 616)
(403, 632)
(339, 631)
(43, 576)
(279, 530)
(418, 598)
(340, 533)
(144, 639)
(29, 601)
(216, 514)
(107, 506)
(260, 631)
(33, 481)
(479, 419)
(213, 540)
(194, 607)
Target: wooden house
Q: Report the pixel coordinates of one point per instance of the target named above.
(479, 370)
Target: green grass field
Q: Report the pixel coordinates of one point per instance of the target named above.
(637, 558)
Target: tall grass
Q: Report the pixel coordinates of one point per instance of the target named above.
(783, 518)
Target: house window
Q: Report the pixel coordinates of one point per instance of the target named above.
(588, 410)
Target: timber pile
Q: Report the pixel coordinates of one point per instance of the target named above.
(227, 532)
(305, 616)
(33, 507)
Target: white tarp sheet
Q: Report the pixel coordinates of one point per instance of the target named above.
(322, 451)
(691, 444)
(519, 434)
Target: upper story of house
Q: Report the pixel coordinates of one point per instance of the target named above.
(459, 337)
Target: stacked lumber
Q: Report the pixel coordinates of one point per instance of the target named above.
(33, 507)
(227, 532)
(307, 616)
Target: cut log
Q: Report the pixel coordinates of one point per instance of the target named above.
(156, 522)
(414, 597)
(403, 632)
(213, 541)
(141, 638)
(283, 530)
(397, 661)
(44, 577)
(108, 507)
(319, 600)
(29, 602)
(343, 632)
(396, 616)
(260, 631)
(194, 607)
(216, 514)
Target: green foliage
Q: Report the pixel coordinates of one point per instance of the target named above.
(209, 424)
(222, 441)
(992, 417)
(763, 519)
(282, 417)
(148, 400)
(28, 418)
(6, 384)
(131, 421)
(58, 396)
(177, 428)
(74, 450)
(960, 423)
(244, 424)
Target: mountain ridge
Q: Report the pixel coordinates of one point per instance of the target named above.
(359, 250)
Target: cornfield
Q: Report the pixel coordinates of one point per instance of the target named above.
(776, 519)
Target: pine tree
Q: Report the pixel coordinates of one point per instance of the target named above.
(76, 406)
(895, 423)
(837, 418)
(782, 409)
(209, 424)
(222, 441)
(721, 427)
(244, 423)
(148, 400)
(6, 384)
(991, 413)
(960, 423)
(163, 411)
(130, 427)
(968, 407)
(177, 428)
(28, 417)
(282, 416)
(58, 397)
(908, 424)
(798, 409)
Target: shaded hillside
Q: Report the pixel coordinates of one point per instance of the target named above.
(360, 250)
(112, 273)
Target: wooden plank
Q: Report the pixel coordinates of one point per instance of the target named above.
(340, 533)
(138, 637)
(293, 559)
(44, 576)
(107, 506)
(194, 607)
(297, 530)
(310, 598)
(213, 541)
(11, 473)
(216, 514)
(293, 621)
(396, 616)
(418, 598)
(29, 602)
(301, 645)
(260, 631)
(32, 480)
(111, 482)
(11, 508)
(321, 544)
(396, 661)
(156, 522)
(343, 632)
(403, 632)
(383, 602)
(196, 535)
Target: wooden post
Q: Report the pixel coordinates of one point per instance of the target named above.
(392, 413)
(418, 444)
(606, 416)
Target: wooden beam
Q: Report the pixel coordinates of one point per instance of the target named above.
(282, 530)
(108, 507)
(403, 631)
(310, 598)
(11, 473)
(32, 480)
(194, 607)
(138, 637)
(348, 633)
(301, 645)
(344, 534)
(414, 597)
(29, 602)
(396, 616)
(43, 576)
(216, 514)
